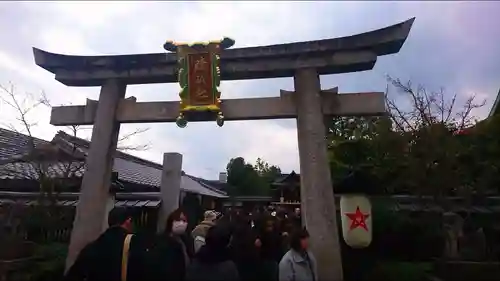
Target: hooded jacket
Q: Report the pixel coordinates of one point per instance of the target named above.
(212, 261)
(202, 228)
(199, 233)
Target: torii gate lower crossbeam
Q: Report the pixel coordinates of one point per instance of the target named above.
(282, 107)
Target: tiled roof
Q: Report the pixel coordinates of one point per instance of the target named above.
(29, 170)
(189, 184)
(129, 168)
(286, 177)
(136, 170)
(214, 185)
(13, 144)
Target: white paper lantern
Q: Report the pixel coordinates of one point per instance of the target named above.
(356, 216)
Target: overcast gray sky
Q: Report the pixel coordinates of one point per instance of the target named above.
(452, 44)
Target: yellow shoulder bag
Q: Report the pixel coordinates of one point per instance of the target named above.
(125, 252)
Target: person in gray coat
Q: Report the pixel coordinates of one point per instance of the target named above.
(298, 264)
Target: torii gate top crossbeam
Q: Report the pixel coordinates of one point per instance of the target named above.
(339, 55)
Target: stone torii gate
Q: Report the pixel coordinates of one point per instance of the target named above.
(304, 61)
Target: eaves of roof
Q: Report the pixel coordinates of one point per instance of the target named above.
(285, 177)
(495, 109)
(215, 186)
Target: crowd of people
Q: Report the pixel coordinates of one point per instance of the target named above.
(261, 245)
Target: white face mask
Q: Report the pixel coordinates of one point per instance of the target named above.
(179, 227)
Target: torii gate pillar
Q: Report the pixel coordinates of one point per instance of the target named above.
(317, 200)
(91, 208)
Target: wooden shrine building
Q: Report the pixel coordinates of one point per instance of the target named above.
(286, 189)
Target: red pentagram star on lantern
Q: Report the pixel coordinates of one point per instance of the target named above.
(358, 219)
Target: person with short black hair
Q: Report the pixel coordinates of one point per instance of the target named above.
(120, 217)
(269, 244)
(287, 228)
(116, 255)
(296, 216)
(243, 250)
(298, 264)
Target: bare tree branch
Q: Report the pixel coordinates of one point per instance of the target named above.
(42, 169)
(429, 118)
(428, 108)
(122, 141)
(139, 147)
(47, 170)
(122, 146)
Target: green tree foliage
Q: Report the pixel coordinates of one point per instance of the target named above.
(361, 145)
(268, 172)
(249, 180)
(480, 157)
(414, 149)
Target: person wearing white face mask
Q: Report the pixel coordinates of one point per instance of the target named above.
(169, 257)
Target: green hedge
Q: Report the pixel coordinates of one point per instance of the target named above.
(398, 271)
(48, 264)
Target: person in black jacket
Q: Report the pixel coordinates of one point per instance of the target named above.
(286, 229)
(213, 261)
(270, 248)
(101, 260)
(243, 250)
(169, 256)
(297, 218)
